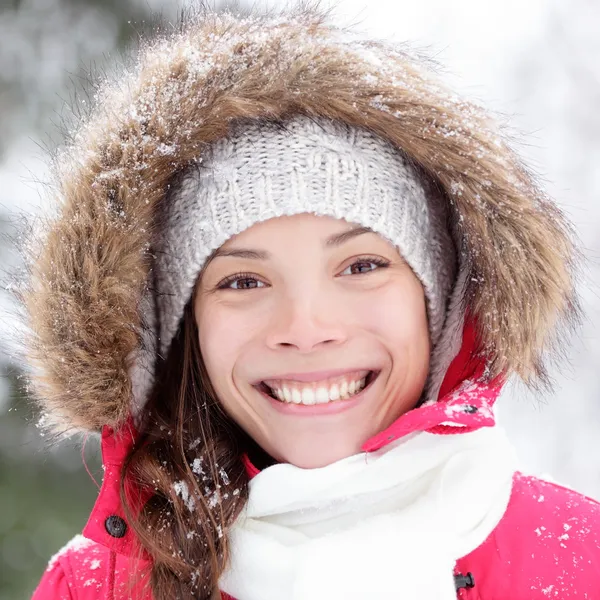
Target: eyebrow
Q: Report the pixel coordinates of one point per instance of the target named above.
(339, 238)
(333, 241)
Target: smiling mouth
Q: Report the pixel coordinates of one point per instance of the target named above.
(336, 389)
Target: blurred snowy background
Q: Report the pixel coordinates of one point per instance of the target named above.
(535, 61)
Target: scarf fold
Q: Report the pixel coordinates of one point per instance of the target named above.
(390, 523)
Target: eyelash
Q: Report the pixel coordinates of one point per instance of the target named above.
(379, 262)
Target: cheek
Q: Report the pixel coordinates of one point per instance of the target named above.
(398, 314)
(224, 337)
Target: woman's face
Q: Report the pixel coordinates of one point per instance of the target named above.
(314, 335)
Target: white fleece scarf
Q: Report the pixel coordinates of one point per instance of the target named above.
(391, 523)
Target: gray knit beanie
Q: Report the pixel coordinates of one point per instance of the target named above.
(263, 170)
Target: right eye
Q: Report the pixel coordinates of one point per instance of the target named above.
(240, 281)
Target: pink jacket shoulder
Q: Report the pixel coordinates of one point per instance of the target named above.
(87, 570)
(547, 545)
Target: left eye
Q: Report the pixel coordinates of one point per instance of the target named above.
(361, 266)
(245, 283)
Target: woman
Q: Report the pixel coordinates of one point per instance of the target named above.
(289, 277)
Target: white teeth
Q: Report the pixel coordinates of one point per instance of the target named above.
(310, 395)
(322, 395)
(344, 390)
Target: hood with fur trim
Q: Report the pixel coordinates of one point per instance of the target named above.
(91, 270)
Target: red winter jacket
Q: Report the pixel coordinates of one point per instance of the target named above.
(547, 545)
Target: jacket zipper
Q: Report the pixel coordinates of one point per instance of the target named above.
(112, 565)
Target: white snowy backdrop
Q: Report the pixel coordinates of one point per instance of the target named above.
(537, 62)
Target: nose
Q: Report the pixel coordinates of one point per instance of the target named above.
(305, 323)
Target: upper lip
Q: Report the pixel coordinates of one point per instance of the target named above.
(310, 376)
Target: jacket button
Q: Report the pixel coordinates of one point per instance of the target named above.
(115, 526)
(464, 581)
(469, 408)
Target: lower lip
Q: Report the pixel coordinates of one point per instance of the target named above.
(326, 408)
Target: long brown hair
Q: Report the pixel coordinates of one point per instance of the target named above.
(190, 454)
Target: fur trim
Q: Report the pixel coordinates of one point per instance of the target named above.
(93, 263)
